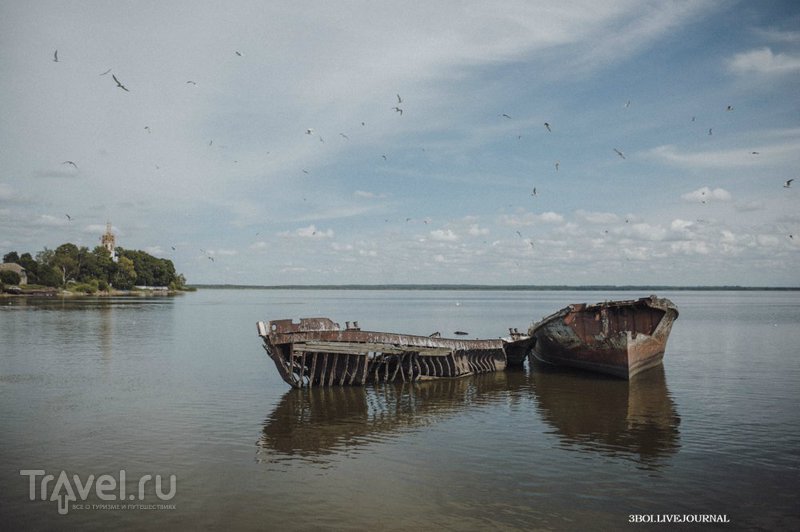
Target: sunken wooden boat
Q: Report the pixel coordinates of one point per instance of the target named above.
(318, 352)
(620, 338)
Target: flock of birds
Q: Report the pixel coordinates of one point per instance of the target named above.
(398, 110)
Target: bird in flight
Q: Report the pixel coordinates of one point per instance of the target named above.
(70, 162)
(557, 165)
(754, 153)
(192, 82)
(147, 128)
(619, 153)
(627, 104)
(68, 217)
(309, 131)
(398, 110)
(729, 108)
(505, 116)
(709, 130)
(547, 126)
(55, 56)
(788, 183)
(344, 136)
(106, 72)
(399, 99)
(533, 193)
(237, 52)
(120, 85)
(384, 156)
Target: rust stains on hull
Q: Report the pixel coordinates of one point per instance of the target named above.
(317, 352)
(620, 338)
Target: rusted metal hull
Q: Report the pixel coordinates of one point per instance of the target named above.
(317, 352)
(619, 338)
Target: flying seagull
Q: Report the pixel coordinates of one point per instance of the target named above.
(70, 162)
(309, 131)
(547, 126)
(557, 165)
(120, 85)
(788, 183)
(192, 82)
(505, 116)
(709, 131)
(147, 128)
(399, 99)
(55, 56)
(729, 108)
(106, 72)
(238, 53)
(344, 136)
(619, 153)
(533, 193)
(398, 110)
(68, 217)
(627, 104)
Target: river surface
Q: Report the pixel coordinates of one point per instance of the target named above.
(108, 390)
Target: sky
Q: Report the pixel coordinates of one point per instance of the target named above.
(623, 142)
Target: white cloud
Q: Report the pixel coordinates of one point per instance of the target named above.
(259, 246)
(601, 218)
(763, 61)
(691, 247)
(705, 195)
(47, 220)
(444, 235)
(529, 218)
(476, 230)
(310, 232)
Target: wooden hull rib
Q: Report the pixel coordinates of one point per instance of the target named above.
(619, 338)
(317, 352)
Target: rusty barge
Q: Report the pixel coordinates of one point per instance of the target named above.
(317, 352)
(619, 338)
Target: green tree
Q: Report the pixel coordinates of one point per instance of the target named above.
(9, 277)
(11, 257)
(150, 270)
(31, 268)
(103, 266)
(48, 274)
(125, 275)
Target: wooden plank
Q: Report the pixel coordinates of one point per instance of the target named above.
(313, 369)
(333, 369)
(355, 348)
(364, 370)
(344, 371)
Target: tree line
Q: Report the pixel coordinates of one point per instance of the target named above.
(69, 264)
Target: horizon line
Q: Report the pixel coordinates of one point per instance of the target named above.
(518, 287)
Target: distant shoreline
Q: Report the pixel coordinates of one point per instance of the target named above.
(476, 287)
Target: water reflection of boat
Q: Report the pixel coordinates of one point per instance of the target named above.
(323, 421)
(608, 415)
(317, 352)
(620, 338)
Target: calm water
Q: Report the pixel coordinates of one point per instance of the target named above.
(182, 387)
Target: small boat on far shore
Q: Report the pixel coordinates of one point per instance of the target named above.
(619, 338)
